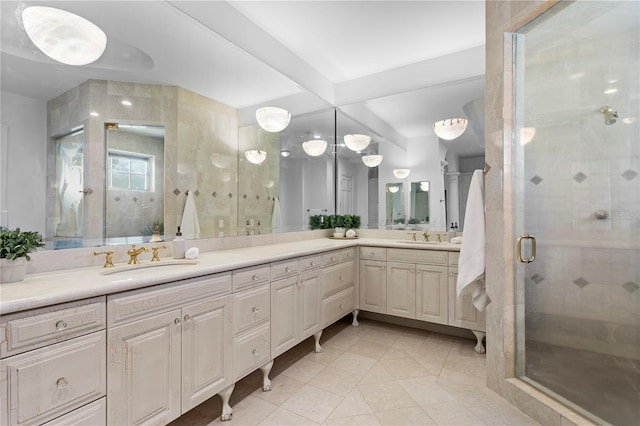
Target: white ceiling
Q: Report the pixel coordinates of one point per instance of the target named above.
(409, 63)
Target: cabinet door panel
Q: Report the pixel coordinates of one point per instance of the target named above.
(143, 375)
(401, 289)
(206, 350)
(284, 311)
(462, 313)
(309, 304)
(432, 294)
(373, 286)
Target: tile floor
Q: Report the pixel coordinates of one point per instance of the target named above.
(374, 374)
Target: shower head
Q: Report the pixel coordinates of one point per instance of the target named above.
(609, 115)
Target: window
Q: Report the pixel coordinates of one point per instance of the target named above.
(128, 170)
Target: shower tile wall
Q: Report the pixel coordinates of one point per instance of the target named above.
(582, 181)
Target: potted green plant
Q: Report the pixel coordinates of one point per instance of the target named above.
(351, 223)
(15, 246)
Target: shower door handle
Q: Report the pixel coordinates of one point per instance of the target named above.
(519, 248)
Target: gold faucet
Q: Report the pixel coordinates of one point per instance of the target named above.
(133, 254)
(155, 257)
(413, 235)
(425, 234)
(109, 258)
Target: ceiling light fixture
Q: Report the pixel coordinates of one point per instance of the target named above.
(285, 153)
(424, 186)
(357, 143)
(401, 173)
(450, 128)
(126, 103)
(63, 36)
(372, 160)
(315, 147)
(394, 189)
(273, 119)
(255, 156)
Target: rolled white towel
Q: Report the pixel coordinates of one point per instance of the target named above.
(456, 240)
(192, 253)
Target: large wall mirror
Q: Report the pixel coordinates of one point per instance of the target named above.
(190, 96)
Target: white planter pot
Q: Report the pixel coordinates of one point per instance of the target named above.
(12, 271)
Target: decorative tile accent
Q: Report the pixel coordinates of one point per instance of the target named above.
(537, 278)
(487, 167)
(579, 177)
(629, 174)
(117, 198)
(135, 199)
(176, 191)
(630, 286)
(581, 282)
(257, 197)
(197, 193)
(244, 196)
(230, 195)
(89, 191)
(536, 179)
(214, 194)
(151, 200)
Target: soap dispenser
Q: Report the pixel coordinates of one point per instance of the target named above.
(178, 246)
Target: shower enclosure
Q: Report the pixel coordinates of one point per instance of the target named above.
(577, 198)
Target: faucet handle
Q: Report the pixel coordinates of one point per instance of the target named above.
(155, 257)
(109, 258)
(413, 235)
(439, 237)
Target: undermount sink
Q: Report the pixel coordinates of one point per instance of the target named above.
(141, 267)
(420, 242)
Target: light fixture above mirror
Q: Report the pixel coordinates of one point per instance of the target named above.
(450, 128)
(255, 156)
(315, 147)
(64, 36)
(357, 143)
(393, 189)
(273, 119)
(401, 173)
(424, 186)
(372, 160)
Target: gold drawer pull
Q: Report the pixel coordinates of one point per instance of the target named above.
(341, 307)
(340, 277)
(313, 264)
(61, 325)
(372, 254)
(187, 318)
(333, 259)
(287, 269)
(254, 309)
(177, 321)
(254, 352)
(62, 382)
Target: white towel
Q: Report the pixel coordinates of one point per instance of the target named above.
(275, 215)
(190, 225)
(471, 266)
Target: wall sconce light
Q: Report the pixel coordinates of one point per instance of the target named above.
(273, 119)
(315, 147)
(372, 160)
(357, 143)
(394, 189)
(285, 153)
(255, 156)
(64, 36)
(424, 186)
(450, 128)
(401, 173)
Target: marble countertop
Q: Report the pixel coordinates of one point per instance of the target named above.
(49, 288)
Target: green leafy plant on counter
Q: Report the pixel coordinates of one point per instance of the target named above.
(333, 221)
(15, 243)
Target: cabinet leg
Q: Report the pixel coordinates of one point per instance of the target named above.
(479, 337)
(355, 322)
(316, 337)
(225, 395)
(266, 369)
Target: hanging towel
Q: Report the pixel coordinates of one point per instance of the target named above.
(275, 215)
(190, 225)
(471, 266)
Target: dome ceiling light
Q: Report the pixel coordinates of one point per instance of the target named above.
(450, 128)
(372, 160)
(394, 189)
(255, 156)
(315, 147)
(273, 119)
(63, 36)
(424, 186)
(357, 143)
(401, 173)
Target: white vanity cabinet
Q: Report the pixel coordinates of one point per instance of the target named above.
(373, 279)
(338, 285)
(462, 313)
(295, 302)
(53, 363)
(169, 349)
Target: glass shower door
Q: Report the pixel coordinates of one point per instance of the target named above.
(577, 180)
(68, 229)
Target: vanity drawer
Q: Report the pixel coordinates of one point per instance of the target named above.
(142, 303)
(337, 277)
(251, 277)
(337, 306)
(373, 253)
(94, 414)
(454, 256)
(33, 329)
(331, 258)
(347, 254)
(310, 262)
(49, 382)
(284, 269)
(250, 351)
(250, 308)
(431, 257)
